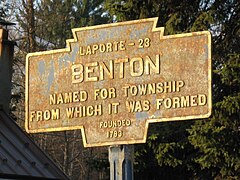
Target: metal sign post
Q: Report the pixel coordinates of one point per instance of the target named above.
(121, 159)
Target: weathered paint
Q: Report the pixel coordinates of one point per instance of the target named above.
(183, 57)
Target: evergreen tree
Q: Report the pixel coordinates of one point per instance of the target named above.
(217, 139)
(202, 148)
(55, 19)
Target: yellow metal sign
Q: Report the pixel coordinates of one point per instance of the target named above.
(113, 80)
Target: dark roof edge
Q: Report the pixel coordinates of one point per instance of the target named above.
(13, 176)
(10, 123)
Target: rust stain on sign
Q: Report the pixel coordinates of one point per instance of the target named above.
(113, 80)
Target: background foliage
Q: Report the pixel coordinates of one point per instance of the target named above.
(201, 149)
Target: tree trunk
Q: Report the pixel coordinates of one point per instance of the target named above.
(29, 8)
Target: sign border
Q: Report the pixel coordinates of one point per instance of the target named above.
(68, 49)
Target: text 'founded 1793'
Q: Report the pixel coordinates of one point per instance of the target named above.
(113, 80)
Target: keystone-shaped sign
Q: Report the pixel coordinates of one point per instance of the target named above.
(113, 80)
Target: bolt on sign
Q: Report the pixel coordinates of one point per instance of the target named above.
(113, 80)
